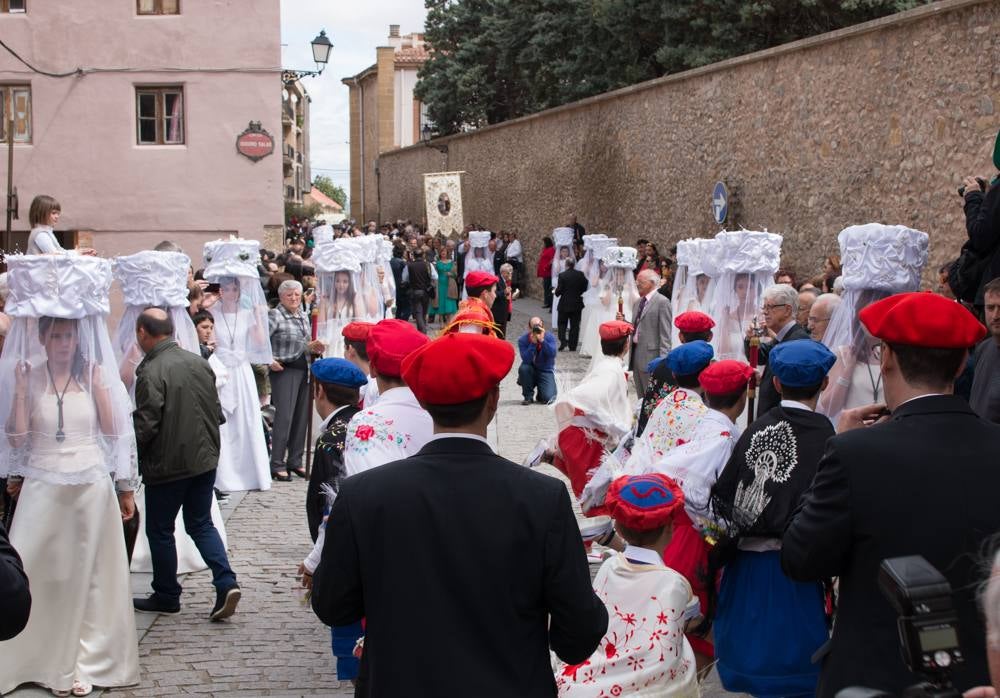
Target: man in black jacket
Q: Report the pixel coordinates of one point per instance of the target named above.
(466, 566)
(177, 416)
(982, 222)
(15, 597)
(921, 482)
(781, 303)
(571, 286)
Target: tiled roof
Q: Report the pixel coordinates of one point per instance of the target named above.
(323, 200)
(411, 56)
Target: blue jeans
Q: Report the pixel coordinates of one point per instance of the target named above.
(531, 378)
(343, 638)
(193, 496)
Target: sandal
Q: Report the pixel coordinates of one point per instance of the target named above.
(57, 692)
(301, 472)
(82, 689)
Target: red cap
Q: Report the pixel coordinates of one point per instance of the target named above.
(693, 321)
(478, 279)
(724, 377)
(922, 320)
(644, 502)
(391, 341)
(457, 368)
(357, 331)
(616, 329)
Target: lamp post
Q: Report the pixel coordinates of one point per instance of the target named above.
(321, 47)
(426, 136)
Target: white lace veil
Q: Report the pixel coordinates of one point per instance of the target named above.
(877, 261)
(341, 301)
(373, 291)
(242, 333)
(747, 262)
(563, 238)
(67, 415)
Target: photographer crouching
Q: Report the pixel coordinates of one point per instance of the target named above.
(538, 360)
(979, 262)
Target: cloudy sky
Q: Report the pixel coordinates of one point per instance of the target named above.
(355, 28)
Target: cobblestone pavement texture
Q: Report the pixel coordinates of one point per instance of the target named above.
(274, 645)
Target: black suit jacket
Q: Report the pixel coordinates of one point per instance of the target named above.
(499, 308)
(467, 567)
(923, 483)
(767, 396)
(571, 286)
(15, 598)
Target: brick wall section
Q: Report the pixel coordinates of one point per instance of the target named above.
(876, 122)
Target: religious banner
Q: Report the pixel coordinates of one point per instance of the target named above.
(443, 202)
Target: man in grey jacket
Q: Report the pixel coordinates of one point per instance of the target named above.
(651, 317)
(176, 420)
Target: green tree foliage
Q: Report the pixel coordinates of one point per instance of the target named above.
(326, 185)
(495, 60)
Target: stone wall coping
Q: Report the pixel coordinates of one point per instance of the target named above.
(894, 20)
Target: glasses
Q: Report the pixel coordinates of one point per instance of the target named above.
(817, 320)
(769, 307)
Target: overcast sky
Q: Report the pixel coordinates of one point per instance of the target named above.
(355, 28)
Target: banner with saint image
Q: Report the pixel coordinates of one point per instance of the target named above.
(443, 202)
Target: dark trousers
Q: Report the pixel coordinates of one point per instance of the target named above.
(290, 397)
(547, 288)
(193, 496)
(418, 308)
(402, 306)
(572, 319)
(531, 378)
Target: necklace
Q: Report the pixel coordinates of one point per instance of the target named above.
(876, 384)
(60, 434)
(231, 331)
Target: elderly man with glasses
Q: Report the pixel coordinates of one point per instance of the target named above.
(820, 314)
(781, 303)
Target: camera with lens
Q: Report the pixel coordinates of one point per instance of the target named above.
(979, 180)
(537, 329)
(927, 623)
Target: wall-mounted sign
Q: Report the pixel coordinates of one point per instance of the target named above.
(720, 202)
(255, 142)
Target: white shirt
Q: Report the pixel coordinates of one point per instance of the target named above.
(395, 428)
(796, 405)
(780, 334)
(369, 393)
(646, 556)
(514, 250)
(454, 435)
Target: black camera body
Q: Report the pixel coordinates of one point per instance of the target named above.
(537, 329)
(982, 186)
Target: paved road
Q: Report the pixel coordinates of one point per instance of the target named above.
(274, 645)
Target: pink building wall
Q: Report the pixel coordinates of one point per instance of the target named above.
(84, 149)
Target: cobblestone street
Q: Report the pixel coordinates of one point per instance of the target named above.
(274, 645)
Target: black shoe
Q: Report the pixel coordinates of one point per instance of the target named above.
(221, 496)
(562, 347)
(281, 478)
(525, 402)
(225, 603)
(154, 603)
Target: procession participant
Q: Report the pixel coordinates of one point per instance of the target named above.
(820, 313)
(593, 416)
(396, 426)
(340, 300)
(590, 266)
(477, 255)
(291, 344)
(69, 436)
(595, 306)
(454, 492)
(616, 280)
(773, 464)
(356, 351)
(878, 261)
(644, 651)
(43, 216)
(564, 251)
(241, 339)
(691, 326)
(779, 309)
(922, 482)
(475, 314)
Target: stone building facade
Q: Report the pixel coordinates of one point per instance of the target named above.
(873, 123)
(295, 103)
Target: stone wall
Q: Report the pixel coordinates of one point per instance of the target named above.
(877, 122)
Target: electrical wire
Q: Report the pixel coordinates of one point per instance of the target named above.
(78, 71)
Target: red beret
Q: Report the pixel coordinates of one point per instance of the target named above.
(922, 320)
(457, 368)
(616, 329)
(724, 377)
(391, 341)
(357, 331)
(693, 321)
(478, 279)
(644, 502)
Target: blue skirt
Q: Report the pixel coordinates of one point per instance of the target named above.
(767, 627)
(343, 638)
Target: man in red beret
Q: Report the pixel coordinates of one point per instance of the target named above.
(356, 351)
(396, 427)
(915, 476)
(475, 314)
(468, 568)
(691, 326)
(596, 414)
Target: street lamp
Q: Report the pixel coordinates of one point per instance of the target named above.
(321, 47)
(426, 136)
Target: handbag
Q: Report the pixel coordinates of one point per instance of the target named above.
(452, 286)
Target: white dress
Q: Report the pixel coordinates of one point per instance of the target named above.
(603, 309)
(70, 539)
(188, 557)
(243, 461)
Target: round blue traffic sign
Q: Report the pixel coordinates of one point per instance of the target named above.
(720, 203)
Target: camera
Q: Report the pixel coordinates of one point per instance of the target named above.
(927, 624)
(982, 186)
(537, 329)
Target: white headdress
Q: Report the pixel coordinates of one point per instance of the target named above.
(242, 332)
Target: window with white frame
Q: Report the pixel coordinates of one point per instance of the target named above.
(158, 7)
(159, 115)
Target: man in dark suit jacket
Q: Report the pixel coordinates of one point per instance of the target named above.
(571, 286)
(922, 482)
(781, 303)
(466, 566)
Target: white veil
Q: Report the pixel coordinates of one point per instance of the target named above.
(340, 300)
(594, 310)
(372, 290)
(242, 333)
(563, 238)
(67, 433)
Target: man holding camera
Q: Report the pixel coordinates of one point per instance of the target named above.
(538, 360)
(982, 224)
(916, 476)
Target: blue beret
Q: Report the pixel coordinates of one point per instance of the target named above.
(689, 359)
(339, 372)
(800, 363)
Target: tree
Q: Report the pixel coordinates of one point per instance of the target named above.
(326, 185)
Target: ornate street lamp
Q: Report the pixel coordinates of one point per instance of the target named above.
(321, 47)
